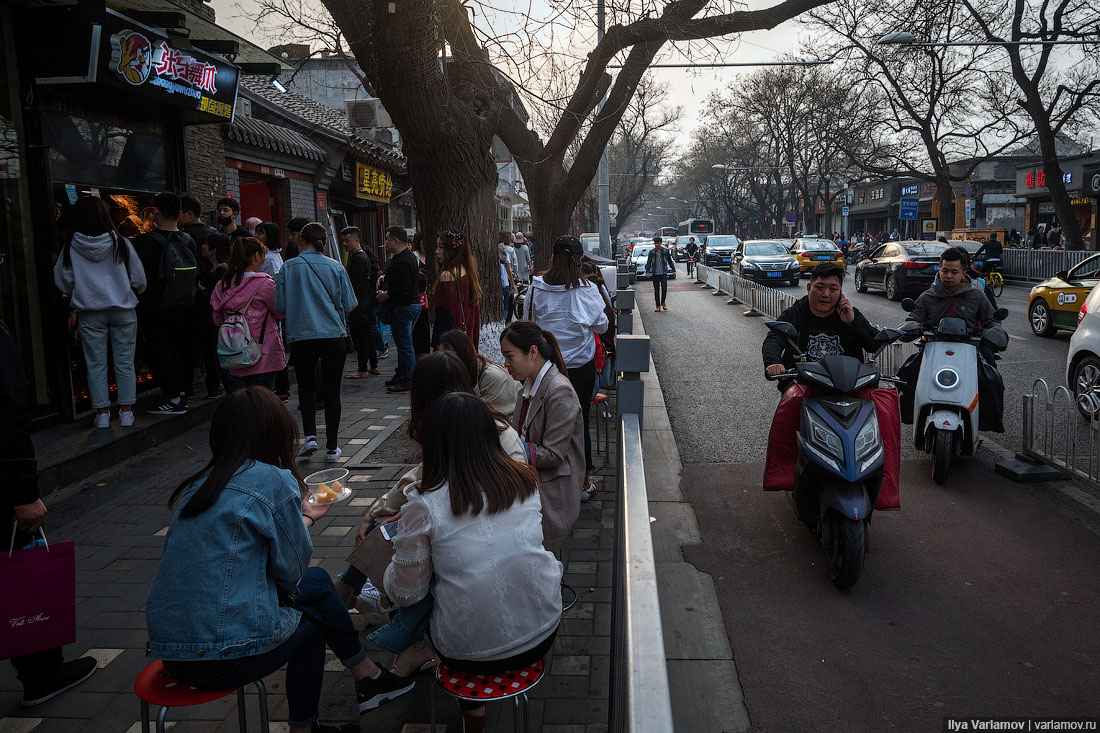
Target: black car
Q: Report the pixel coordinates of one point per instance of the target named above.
(681, 253)
(720, 249)
(900, 268)
(765, 260)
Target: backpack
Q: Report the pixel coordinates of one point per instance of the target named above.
(179, 270)
(236, 347)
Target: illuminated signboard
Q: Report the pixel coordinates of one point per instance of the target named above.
(143, 61)
(909, 190)
(373, 184)
(1038, 179)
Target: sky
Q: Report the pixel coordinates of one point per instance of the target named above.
(689, 87)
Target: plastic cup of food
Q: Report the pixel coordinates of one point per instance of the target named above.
(328, 486)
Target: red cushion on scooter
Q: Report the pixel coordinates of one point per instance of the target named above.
(783, 448)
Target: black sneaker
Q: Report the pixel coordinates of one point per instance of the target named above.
(384, 353)
(391, 382)
(372, 693)
(68, 676)
(167, 408)
(399, 387)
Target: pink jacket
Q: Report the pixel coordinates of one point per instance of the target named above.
(228, 298)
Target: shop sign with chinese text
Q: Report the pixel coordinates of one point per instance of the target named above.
(372, 183)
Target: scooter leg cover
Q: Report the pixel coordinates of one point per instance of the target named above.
(888, 409)
(782, 445)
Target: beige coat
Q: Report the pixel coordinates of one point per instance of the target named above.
(555, 430)
(498, 389)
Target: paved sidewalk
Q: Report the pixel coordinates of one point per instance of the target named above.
(118, 522)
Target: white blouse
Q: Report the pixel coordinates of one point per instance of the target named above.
(497, 591)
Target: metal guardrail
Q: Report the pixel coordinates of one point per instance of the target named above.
(1040, 264)
(1056, 434)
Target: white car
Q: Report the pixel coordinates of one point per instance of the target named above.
(1083, 362)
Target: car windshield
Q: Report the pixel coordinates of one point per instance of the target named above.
(819, 245)
(754, 249)
(722, 242)
(924, 250)
(642, 249)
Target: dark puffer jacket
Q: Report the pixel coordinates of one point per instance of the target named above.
(969, 304)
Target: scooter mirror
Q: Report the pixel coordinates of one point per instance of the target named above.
(908, 305)
(783, 328)
(1000, 314)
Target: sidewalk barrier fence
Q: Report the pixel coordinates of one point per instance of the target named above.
(1040, 264)
(1056, 434)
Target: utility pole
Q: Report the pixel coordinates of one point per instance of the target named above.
(603, 180)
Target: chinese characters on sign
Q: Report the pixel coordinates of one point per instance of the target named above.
(176, 65)
(1038, 179)
(371, 183)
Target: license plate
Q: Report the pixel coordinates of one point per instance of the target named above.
(725, 259)
(823, 257)
(775, 274)
(935, 268)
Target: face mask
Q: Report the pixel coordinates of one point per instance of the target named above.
(226, 221)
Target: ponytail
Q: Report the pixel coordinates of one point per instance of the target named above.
(525, 334)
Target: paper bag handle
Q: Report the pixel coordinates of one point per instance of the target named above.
(40, 531)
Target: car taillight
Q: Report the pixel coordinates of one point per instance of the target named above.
(910, 265)
(1081, 315)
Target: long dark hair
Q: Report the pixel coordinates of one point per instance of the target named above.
(461, 447)
(458, 343)
(274, 241)
(248, 426)
(525, 334)
(435, 375)
(459, 253)
(92, 218)
(565, 269)
(240, 256)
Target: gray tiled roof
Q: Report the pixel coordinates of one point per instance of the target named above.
(272, 137)
(316, 115)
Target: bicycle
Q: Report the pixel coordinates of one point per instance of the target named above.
(996, 282)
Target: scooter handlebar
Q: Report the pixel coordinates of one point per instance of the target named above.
(784, 375)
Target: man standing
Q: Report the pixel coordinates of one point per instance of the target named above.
(190, 220)
(228, 211)
(44, 674)
(399, 288)
(523, 257)
(294, 237)
(170, 259)
(658, 265)
(363, 271)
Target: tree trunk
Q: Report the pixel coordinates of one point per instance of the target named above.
(946, 195)
(550, 214)
(1063, 209)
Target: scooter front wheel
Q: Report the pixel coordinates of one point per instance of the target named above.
(941, 456)
(845, 546)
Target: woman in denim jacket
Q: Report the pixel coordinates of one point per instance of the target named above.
(234, 598)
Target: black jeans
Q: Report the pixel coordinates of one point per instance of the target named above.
(304, 355)
(660, 288)
(364, 334)
(166, 336)
(583, 379)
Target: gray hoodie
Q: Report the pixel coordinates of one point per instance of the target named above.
(95, 280)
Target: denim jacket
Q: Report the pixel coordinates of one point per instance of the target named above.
(214, 595)
(315, 293)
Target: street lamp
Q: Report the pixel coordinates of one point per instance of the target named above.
(905, 38)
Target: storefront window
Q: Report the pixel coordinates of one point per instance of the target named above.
(91, 145)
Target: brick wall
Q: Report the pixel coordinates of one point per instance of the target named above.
(302, 201)
(206, 170)
(232, 182)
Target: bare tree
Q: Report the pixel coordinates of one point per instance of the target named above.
(1056, 99)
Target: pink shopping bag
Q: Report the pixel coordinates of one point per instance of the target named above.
(38, 599)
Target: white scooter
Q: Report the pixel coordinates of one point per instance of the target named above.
(945, 397)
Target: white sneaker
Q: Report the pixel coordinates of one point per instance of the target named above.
(126, 419)
(333, 455)
(309, 447)
(589, 489)
(102, 420)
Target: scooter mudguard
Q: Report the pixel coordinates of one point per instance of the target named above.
(848, 500)
(943, 420)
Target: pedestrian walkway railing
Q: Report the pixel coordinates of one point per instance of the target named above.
(1056, 433)
(1040, 264)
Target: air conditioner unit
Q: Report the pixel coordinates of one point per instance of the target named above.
(367, 113)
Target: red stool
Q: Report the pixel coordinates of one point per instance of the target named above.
(604, 414)
(154, 685)
(494, 687)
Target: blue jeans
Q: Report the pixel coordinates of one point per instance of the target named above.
(303, 652)
(402, 320)
(119, 328)
(407, 625)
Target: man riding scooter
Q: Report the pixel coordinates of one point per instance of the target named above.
(954, 295)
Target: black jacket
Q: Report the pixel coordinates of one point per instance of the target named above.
(819, 337)
(991, 249)
(18, 465)
(402, 278)
(363, 273)
(651, 262)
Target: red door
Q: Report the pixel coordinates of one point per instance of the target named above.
(256, 201)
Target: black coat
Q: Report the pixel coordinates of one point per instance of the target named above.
(831, 334)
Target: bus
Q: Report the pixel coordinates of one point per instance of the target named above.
(698, 228)
(666, 232)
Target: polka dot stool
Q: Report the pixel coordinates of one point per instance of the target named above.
(154, 685)
(512, 684)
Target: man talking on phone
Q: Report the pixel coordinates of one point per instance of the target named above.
(828, 325)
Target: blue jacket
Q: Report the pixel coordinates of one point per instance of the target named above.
(317, 299)
(215, 594)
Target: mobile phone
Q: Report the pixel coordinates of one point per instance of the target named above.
(390, 530)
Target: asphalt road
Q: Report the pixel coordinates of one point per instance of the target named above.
(978, 597)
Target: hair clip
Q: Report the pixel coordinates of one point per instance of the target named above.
(455, 237)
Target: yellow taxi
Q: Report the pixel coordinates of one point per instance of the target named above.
(812, 251)
(1053, 304)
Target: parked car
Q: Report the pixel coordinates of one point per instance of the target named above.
(1053, 304)
(1083, 361)
(720, 249)
(765, 260)
(812, 251)
(900, 268)
(638, 259)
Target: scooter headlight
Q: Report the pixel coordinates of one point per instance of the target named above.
(947, 378)
(824, 437)
(868, 438)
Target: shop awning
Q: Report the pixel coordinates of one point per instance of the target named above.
(265, 135)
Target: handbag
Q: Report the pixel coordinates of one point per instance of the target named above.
(42, 615)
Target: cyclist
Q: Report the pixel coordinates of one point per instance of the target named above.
(993, 251)
(692, 251)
